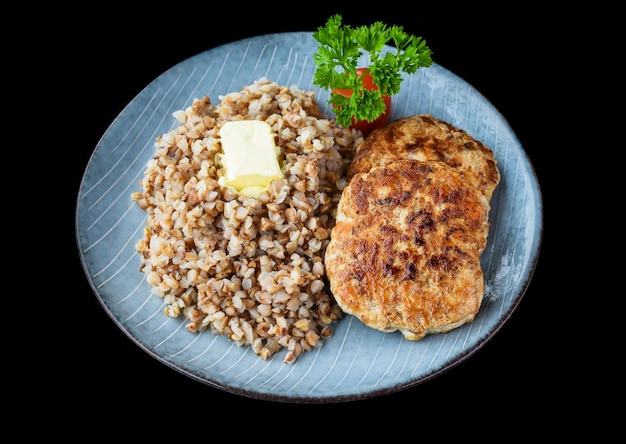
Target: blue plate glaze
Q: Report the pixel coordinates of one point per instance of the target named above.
(356, 362)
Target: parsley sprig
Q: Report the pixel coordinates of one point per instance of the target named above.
(337, 61)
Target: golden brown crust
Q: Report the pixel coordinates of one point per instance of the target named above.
(405, 251)
(426, 138)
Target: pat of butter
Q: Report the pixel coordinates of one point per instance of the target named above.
(250, 156)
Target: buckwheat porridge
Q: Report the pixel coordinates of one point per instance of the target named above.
(249, 268)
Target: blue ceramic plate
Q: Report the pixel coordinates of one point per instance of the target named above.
(356, 362)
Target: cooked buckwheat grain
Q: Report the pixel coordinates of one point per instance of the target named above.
(248, 268)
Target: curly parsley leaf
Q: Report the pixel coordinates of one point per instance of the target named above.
(337, 60)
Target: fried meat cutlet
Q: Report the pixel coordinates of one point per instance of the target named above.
(426, 138)
(404, 254)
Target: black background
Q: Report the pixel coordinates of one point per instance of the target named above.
(517, 380)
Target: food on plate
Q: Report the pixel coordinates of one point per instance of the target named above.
(250, 159)
(411, 225)
(235, 248)
(426, 138)
(361, 91)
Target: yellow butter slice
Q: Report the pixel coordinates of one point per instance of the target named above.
(250, 156)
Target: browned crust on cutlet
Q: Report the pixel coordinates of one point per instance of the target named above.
(426, 138)
(405, 251)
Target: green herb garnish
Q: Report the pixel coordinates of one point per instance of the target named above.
(337, 61)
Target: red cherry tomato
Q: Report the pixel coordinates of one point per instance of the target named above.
(363, 125)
